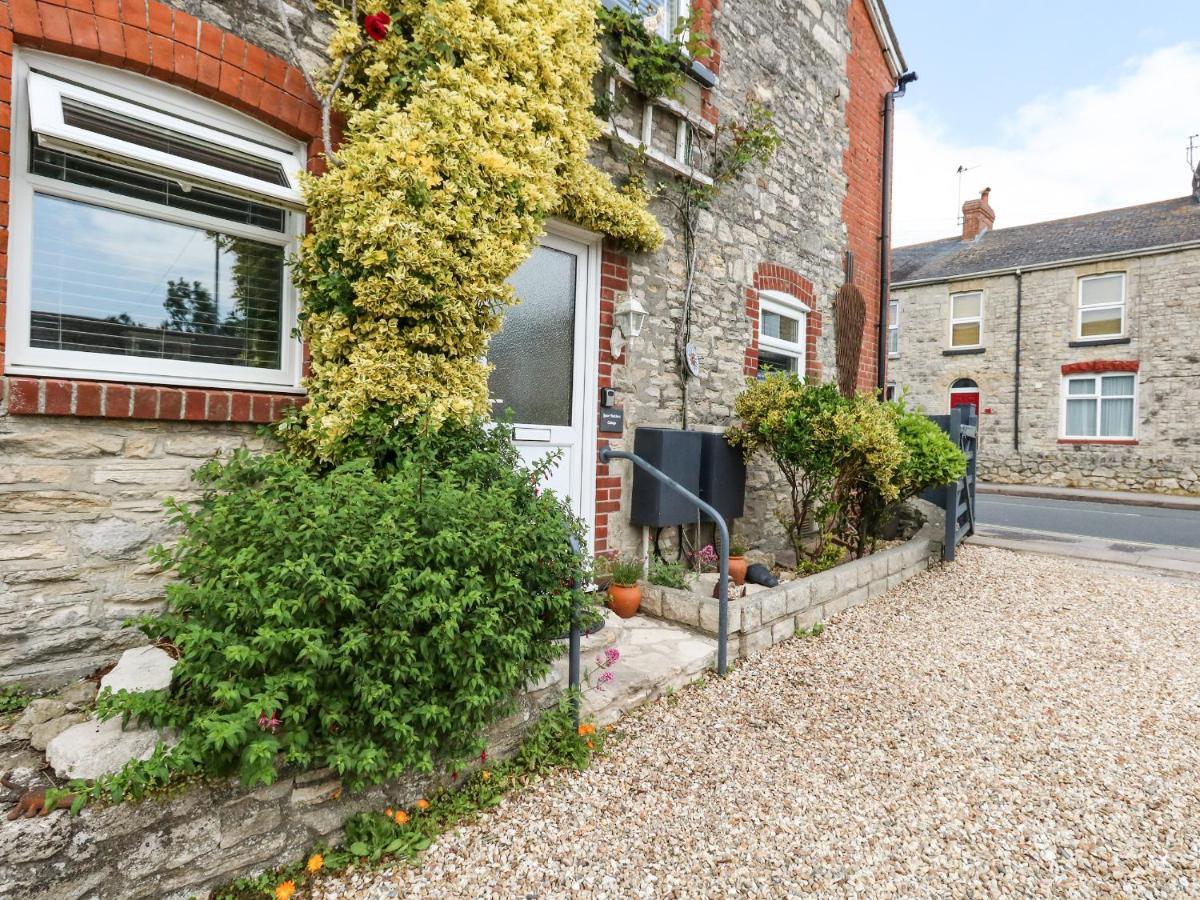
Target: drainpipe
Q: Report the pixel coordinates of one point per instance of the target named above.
(1017, 373)
(885, 227)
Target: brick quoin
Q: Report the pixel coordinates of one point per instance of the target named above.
(152, 39)
(614, 281)
(862, 209)
(773, 277)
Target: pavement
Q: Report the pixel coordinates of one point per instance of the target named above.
(1121, 498)
(1111, 530)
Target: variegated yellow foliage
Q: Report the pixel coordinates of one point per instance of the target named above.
(466, 128)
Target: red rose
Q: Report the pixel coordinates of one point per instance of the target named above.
(376, 25)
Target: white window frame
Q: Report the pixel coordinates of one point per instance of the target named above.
(1097, 395)
(159, 103)
(893, 328)
(681, 9)
(1079, 308)
(790, 307)
(962, 320)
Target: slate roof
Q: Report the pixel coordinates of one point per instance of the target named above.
(1112, 231)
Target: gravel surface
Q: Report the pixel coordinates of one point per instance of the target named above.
(1011, 725)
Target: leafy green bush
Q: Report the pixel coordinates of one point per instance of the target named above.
(791, 421)
(373, 618)
(847, 460)
(668, 574)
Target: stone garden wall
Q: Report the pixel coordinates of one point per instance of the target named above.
(769, 616)
(209, 834)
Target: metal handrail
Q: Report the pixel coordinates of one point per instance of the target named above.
(607, 454)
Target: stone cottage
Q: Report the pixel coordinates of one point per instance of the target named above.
(151, 152)
(1076, 339)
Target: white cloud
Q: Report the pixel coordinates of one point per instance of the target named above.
(1119, 142)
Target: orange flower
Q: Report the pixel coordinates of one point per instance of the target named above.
(591, 746)
(401, 817)
(316, 862)
(422, 803)
(285, 890)
(487, 776)
(389, 812)
(610, 728)
(585, 730)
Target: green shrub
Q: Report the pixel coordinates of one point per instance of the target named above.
(791, 421)
(374, 618)
(668, 574)
(847, 460)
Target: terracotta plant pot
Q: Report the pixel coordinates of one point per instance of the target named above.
(737, 569)
(624, 599)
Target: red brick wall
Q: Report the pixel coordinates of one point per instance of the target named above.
(772, 277)
(150, 38)
(614, 281)
(870, 79)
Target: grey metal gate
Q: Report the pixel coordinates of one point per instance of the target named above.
(958, 498)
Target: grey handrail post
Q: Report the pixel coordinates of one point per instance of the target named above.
(606, 454)
(574, 663)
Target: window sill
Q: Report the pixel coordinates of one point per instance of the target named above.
(1103, 442)
(964, 351)
(112, 400)
(893, 356)
(1100, 342)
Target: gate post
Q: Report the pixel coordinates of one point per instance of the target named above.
(952, 491)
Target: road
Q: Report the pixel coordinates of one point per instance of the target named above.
(1112, 521)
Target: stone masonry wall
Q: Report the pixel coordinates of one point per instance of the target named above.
(82, 501)
(1163, 331)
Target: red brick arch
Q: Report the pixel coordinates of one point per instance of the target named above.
(774, 277)
(152, 39)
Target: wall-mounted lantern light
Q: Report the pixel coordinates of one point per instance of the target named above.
(628, 320)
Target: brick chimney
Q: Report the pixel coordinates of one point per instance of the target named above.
(978, 216)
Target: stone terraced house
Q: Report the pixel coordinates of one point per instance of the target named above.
(149, 200)
(1078, 340)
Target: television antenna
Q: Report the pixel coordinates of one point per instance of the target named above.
(1193, 148)
(960, 171)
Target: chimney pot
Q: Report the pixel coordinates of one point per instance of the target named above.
(978, 216)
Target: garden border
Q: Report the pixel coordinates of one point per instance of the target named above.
(768, 617)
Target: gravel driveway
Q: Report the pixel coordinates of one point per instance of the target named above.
(1010, 725)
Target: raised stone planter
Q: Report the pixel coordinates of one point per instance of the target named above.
(183, 845)
(767, 617)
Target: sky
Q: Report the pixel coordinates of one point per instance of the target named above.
(1061, 107)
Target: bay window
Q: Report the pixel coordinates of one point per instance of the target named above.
(150, 233)
(1100, 406)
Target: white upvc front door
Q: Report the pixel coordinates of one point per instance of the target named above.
(545, 362)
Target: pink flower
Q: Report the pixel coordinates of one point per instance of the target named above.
(606, 677)
(376, 25)
(269, 723)
(611, 655)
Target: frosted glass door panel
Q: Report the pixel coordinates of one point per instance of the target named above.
(534, 354)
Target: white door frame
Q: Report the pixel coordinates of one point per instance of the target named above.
(584, 408)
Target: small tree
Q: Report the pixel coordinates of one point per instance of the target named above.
(791, 422)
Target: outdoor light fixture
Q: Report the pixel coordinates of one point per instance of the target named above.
(628, 320)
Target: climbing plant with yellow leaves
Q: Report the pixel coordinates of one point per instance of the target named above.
(467, 124)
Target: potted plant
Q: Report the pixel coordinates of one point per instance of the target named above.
(624, 593)
(737, 562)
